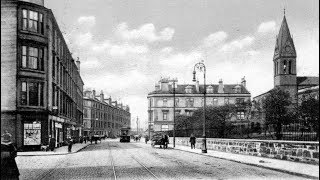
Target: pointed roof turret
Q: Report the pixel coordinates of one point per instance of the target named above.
(284, 44)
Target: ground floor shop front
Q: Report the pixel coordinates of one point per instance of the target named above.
(31, 130)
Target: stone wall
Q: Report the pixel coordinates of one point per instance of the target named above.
(306, 152)
(8, 55)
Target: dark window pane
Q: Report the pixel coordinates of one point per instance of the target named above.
(41, 94)
(33, 94)
(40, 59)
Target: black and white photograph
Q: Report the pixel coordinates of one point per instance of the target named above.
(159, 89)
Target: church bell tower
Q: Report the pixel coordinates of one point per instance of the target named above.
(284, 59)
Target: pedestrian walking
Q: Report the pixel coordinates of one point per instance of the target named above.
(9, 168)
(192, 141)
(166, 141)
(85, 139)
(147, 139)
(81, 139)
(91, 139)
(52, 143)
(70, 143)
(163, 141)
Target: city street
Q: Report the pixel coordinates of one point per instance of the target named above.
(136, 160)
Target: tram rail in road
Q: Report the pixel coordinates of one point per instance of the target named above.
(114, 169)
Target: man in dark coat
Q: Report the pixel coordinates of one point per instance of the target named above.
(166, 141)
(9, 168)
(70, 143)
(192, 141)
(85, 139)
(52, 143)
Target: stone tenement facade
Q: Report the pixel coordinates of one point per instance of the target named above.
(103, 116)
(41, 87)
(306, 152)
(189, 97)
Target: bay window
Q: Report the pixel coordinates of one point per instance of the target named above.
(31, 93)
(32, 58)
(32, 21)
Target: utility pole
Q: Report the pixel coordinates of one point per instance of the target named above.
(137, 126)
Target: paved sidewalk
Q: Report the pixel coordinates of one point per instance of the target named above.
(306, 170)
(57, 151)
(296, 168)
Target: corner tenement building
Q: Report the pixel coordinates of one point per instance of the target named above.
(41, 87)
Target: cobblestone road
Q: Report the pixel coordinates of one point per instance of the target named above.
(133, 160)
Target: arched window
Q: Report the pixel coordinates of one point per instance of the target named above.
(285, 67)
(289, 67)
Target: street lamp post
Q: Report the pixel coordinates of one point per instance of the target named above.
(201, 67)
(174, 111)
(149, 121)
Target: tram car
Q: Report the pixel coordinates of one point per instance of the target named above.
(125, 134)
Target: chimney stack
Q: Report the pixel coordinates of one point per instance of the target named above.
(157, 87)
(220, 88)
(164, 84)
(101, 96)
(94, 93)
(115, 103)
(78, 64)
(109, 100)
(243, 81)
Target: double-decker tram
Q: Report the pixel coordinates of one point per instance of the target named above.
(125, 134)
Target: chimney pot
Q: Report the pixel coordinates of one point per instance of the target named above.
(220, 87)
(243, 81)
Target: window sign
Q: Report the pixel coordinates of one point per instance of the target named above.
(32, 133)
(68, 133)
(164, 127)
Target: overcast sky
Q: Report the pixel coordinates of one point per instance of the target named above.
(126, 46)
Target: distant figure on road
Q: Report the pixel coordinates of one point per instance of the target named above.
(147, 139)
(9, 168)
(192, 141)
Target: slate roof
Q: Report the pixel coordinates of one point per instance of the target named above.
(228, 89)
(307, 81)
